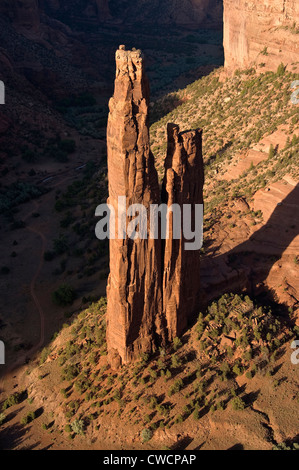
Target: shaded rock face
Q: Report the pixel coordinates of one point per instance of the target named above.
(25, 14)
(84, 8)
(103, 10)
(250, 27)
(146, 273)
(191, 13)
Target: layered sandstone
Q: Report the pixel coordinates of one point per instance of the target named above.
(134, 287)
(183, 183)
(261, 33)
(153, 286)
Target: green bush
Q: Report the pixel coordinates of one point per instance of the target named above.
(177, 343)
(238, 404)
(64, 295)
(146, 435)
(28, 418)
(78, 427)
(12, 400)
(2, 418)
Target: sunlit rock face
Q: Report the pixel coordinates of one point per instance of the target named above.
(260, 32)
(134, 289)
(153, 287)
(183, 185)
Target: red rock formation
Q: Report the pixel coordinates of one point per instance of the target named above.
(183, 184)
(260, 32)
(136, 319)
(134, 312)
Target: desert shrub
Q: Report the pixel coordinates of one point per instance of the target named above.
(18, 193)
(238, 404)
(176, 387)
(60, 245)
(2, 418)
(284, 446)
(175, 361)
(64, 295)
(28, 418)
(177, 343)
(44, 356)
(225, 369)
(281, 70)
(146, 435)
(271, 151)
(78, 427)
(238, 369)
(71, 372)
(12, 400)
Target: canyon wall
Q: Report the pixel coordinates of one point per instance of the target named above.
(153, 287)
(189, 13)
(261, 32)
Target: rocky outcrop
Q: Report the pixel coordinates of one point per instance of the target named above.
(260, 33)
(134, 287)
(183, 183)
(145, 273)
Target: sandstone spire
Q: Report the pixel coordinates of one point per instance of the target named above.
(183, 185)
(134, 286)
(153, 287)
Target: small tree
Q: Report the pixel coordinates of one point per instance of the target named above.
(177, 343)
(64, 295)
(78, 427)
(238, 404)
(146, 435)
(281, 70)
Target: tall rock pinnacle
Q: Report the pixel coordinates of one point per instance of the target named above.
(183, 184)
(134, 286)
(153, 287)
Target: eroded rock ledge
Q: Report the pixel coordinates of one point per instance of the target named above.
(153, 287)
